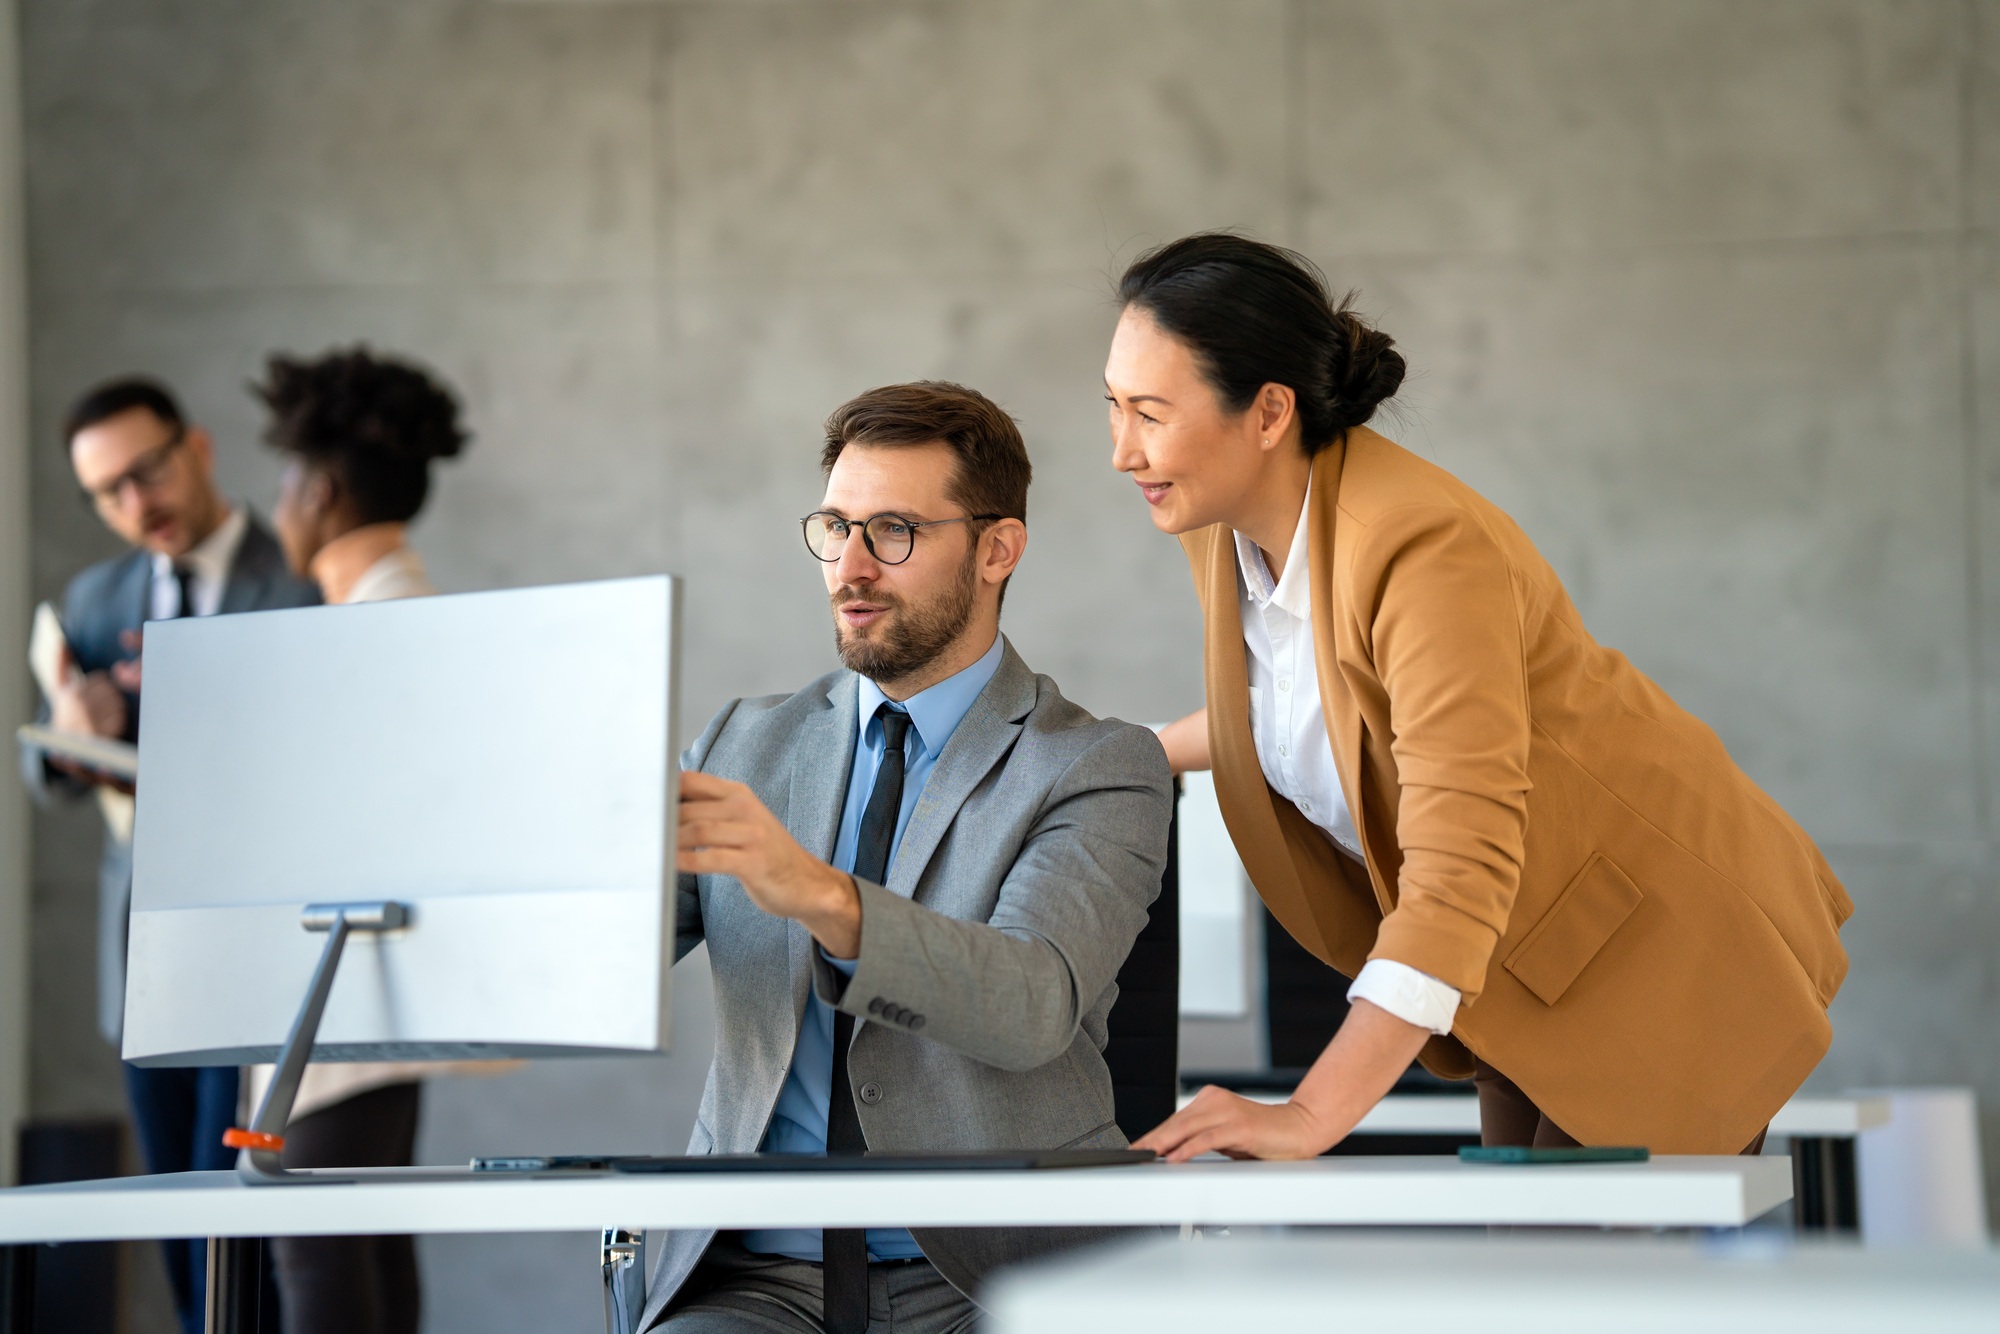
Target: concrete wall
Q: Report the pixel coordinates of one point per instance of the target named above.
(14, 579)
(1704, 292)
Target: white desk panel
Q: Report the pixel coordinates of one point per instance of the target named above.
(1458, 1114)
(1830, 1118)
(1754, 1285)
(1433, 1191)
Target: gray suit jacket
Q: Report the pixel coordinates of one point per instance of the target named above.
(101, 604)
(987, 962)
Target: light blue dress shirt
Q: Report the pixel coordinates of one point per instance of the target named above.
(798, 1124)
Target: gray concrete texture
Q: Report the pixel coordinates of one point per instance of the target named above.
(15, 928)
(1706, 292)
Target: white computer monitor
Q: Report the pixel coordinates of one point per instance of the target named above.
(504, 763)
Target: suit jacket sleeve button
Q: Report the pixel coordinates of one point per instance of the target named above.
(871, 1093)
(916, 1022)
(875, 1006)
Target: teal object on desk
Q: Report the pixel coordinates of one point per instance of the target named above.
(1521, 1155)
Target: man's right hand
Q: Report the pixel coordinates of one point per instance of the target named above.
(90, 703)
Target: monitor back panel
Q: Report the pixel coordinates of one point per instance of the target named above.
(504, 763)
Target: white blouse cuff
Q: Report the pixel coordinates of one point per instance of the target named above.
(1413, 997)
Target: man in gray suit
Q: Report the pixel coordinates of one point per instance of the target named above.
(917, 879)
(150, 475)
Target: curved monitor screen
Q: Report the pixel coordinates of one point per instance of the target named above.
(503, 763)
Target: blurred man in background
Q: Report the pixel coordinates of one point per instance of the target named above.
(150, 476)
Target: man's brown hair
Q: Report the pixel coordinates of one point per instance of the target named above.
(991, 470)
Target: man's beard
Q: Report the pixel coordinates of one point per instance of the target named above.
(909, 638)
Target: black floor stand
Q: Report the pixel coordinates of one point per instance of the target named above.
(1826, 1192)
(236, 1287)
(17, 1289)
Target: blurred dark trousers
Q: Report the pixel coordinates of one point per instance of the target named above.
(1509, 1116)
(180, 1115)
(352, 1285)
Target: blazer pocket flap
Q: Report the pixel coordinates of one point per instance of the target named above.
(1590, 909)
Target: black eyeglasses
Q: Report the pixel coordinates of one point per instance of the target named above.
(889, 537)
(147, 473)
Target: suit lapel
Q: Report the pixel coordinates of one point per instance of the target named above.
(981, 740)
(138, 599)
(825, 745)
(250, 569)
(1249, 808)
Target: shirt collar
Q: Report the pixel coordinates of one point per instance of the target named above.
(1293, 591)
(210, 559)
(936, 711)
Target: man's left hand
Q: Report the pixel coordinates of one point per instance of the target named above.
(725, 830)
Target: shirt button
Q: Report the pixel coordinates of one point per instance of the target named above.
(871, 1093)
(1284, 683)
(1306, 806)
(1284, 750)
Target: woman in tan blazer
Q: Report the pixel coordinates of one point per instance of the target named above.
(1541, 872)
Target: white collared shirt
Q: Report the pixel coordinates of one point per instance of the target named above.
(1288, 725)
(400, 574)
(208, 572)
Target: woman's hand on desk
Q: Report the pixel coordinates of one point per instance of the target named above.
(1218, 1121)
(1363, 1062)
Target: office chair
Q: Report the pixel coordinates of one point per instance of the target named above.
(1142, 1045)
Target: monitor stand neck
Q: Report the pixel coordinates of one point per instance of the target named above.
(261, 1160)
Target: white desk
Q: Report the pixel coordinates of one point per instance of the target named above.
(1501, 1286)
(1435, 1192)
(1826, 1185)
(1667, 1192)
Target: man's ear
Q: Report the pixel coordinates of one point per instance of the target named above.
(1001, 548)
(202, 446)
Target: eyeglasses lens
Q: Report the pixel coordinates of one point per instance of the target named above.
(821, 538)
(145, 475)
(889, 538)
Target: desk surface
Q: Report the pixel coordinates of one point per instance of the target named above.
(1757, 1283)
(1458, 1114)
(1432, 1191)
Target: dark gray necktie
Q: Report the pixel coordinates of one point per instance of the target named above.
(183, 577)
(845, 1250)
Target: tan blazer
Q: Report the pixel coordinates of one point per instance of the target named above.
(1645, 942)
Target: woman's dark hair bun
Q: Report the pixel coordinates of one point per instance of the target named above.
(1370, 369)
(1258, 314)
(373, 422)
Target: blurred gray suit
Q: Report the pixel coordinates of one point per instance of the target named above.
(100, 606)
(987, 962)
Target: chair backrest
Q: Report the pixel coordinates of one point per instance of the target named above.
(1304, 1002)
(1143, 1043)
